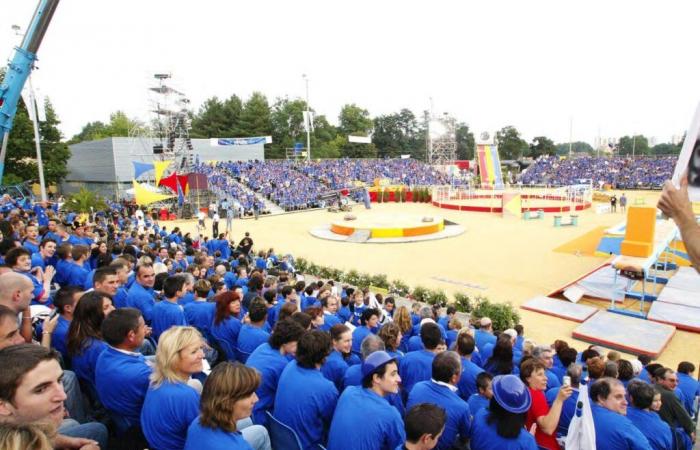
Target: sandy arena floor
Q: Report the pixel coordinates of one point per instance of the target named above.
(506, 260)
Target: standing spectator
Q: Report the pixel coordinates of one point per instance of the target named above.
(229, 218)
(613, 203)
(215, 224)
(623, 203)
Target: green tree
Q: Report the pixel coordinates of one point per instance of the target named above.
(287, 126)
(562, 149)
(211, 120)
(323, 139)
(355, 121)
(120, 125)
(638, 144)
(91, 132)
(542, 145)
(510, 144)
(665, 149)
(20, 161)
(465, 141)
(255, 117)
(83, 200)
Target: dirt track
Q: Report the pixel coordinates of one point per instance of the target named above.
(508, 259)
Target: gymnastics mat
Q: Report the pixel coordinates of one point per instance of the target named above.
(559, 308)
(625, 333)
(682, 317)
(678, 296)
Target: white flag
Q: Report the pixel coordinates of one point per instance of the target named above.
(308, 120)
(581, 435)
(29, 103)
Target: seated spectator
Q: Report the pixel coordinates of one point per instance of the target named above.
(368, 321)
(441, 390)
(226, 327)
(672, 411)
(253, 334)
(65, 302)
(417, 366)
(270, 359)
(380, 377)
(688, 384)
(648, 422)
(402, 318)
(482, 397)
(27, 437)
(502, 425)
(568, 409)
(172, 400)
(546, 356)
(227, 401)
(337, 362)
(532, 372)
(168, 312)
(200, 313)
(612, 429)
(390, 333)
(85, 343)
(121, 373)
(305, 400)
(465, 347)
(484, 334)
(31, 392)
(501, 361)
(424, 425)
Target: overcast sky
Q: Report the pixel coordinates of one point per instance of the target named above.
(615, 67)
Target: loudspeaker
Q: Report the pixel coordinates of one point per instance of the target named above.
(158, 149)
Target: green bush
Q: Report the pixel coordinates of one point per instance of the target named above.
(463, 302)
(336, 275)
(351, 277)
(399, 288)
(364, 280)
(503, 315)
(301, 265)
(420, 294)
(380, 280)
(325, 272)
(84, 201)
(312, 269)
(437, 297)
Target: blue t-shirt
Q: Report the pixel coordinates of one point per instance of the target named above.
(657, 432)
(167, 413)
(199, 437)
(270, 363)
(477, 402)
(119, 298)
(305, 402)
(250, 338)
(467, 382)
(351, 427)
(614, 431)
(84, 362)
(690, 388)
(143, 299)
(358, 334)
(568, 409)
(200, 314)
(414, 367)
(226, 334)
(334, 369)
(459, 418)
(486, 437)
(166, 315)
(122, 382)
(59, 338)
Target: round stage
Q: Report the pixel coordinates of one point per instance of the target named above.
(374, 228)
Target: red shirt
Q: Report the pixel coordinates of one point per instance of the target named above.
(540, 408)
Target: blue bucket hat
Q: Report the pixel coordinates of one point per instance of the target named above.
(511, 393)
(374, 362)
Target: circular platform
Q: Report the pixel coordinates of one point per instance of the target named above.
(397, 225)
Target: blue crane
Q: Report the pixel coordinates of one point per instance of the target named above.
(18, 71)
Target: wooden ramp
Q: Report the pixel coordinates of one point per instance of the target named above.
(559, 308)
(628, 334)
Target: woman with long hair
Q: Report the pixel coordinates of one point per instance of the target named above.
(402, 318)
(227, 401)
(391, 335)
(341, 356)
(502, 425)
(501, 361)
(84, 340)
(172, 400)
(226, 327)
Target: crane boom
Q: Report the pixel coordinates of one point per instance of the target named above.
(19, 68)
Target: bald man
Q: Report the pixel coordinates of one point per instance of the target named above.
(16, 292)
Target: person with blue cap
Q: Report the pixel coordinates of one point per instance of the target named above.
(502, 425)
(364, 419)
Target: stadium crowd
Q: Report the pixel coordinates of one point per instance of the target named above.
(298, 185)
(116, 333)
(619, 172)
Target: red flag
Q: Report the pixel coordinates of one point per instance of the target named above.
(170, 182)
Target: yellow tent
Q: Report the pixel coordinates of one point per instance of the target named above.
(143, 196)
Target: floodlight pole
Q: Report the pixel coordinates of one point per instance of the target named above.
(309, 119)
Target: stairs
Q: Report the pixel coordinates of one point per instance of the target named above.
(270, 206)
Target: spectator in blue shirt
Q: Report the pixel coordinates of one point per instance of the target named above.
(226, 327)
(122, 374)
(648, 422)
(168, 312)
(270, 359)
(390, 333)
(253, 334)
(484, 334)
(305, 400)
(337, 363)
(568, 409)
(65, 302)
(465, 346)
(141, 294)
(19, 260)
(482, 397)
(368, 321)
(227, 401)
(329, 304)
(417, 366)
(613, 430)
(200, 313)
(9, 330)
(172, 400)
(688, 384)
(45, 255)
(424, 424)
(78, 273)
(351, 428)
(441, 390)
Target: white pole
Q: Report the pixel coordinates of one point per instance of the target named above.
(571, 126)
(37, 140)
(308, 125)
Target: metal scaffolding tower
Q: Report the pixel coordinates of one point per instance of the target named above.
(442, 140)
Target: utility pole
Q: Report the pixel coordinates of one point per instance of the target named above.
(309, 120)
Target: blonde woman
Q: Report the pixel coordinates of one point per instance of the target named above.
(227, 403)
(172, 403)
(402, 318)
(26, 437)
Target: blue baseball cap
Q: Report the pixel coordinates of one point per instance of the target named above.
(511, 393)
(374, 362)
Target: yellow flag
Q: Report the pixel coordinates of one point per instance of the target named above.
(159, 168)
(143, 196)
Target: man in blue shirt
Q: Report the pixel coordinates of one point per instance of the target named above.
(688, 384)
(442, 390)
(484, 334)
(480, 400)
(253, 334)
(424, 425)
(363, 419)
(270, 359)
(330, 308)
(546, 356)
(305, 399)
(45, 255)
(78, 273)
(168, 312)
(417, 366)
(467, 382)
(121, 373)
(368, 320)
(614, 431)
(141, 294)
(657, 432)
(65, 301)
